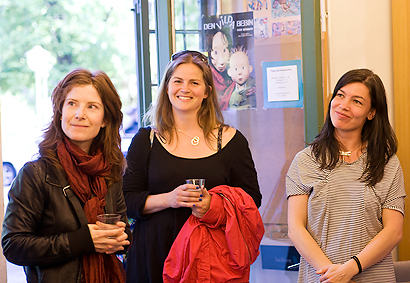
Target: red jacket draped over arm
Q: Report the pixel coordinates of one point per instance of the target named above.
(220, 246)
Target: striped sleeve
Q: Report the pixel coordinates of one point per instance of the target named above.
(295, 183)
(396, 194)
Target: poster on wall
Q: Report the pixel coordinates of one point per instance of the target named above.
(261, 28)
(286, 17)
(229, 41)
(285, 8)
(282, 84)
(281, 17)
(286, 28)
(257, 5)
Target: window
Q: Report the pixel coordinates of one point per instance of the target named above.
(187, 21)
(156, 40)
(95, 34)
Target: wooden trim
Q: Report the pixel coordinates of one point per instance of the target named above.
(401, 81)
(325, 70)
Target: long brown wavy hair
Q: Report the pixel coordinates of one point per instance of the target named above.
(108, 139)
(377, 133)
(209, 115)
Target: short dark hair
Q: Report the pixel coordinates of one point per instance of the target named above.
(210, 37)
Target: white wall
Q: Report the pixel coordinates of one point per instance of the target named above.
(360, 36)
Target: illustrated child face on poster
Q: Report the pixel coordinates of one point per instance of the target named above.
(220, 51)
(239, 67)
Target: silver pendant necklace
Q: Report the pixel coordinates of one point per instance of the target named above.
(194, 139)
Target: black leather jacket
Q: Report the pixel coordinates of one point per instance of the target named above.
(41, 230)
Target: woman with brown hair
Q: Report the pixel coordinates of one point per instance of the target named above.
(51, 226)
(188, 140)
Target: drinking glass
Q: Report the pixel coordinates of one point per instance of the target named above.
(199, 182)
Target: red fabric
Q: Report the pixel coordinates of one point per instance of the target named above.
(221, 82)
(227, 96)
(221, 246)
(86, 174)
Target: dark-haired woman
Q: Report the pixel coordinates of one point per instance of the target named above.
(189, 140)
(346, 191)
(50, 226)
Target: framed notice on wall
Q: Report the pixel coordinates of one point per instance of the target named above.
(282, 84)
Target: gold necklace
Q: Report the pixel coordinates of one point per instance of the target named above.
(345, 153)
(194, 139)
(348, 153)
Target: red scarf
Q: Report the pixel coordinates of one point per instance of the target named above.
(86, 174)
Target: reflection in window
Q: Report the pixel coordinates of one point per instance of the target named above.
(187, 24)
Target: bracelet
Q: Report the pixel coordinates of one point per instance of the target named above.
(358, 263)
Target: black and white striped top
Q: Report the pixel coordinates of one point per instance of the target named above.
(344, 214)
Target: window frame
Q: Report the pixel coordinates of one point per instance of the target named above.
(165, 37)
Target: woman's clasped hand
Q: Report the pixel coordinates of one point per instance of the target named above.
(337, 273)
(108, 241)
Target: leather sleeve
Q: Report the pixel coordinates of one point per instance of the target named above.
(35, 231)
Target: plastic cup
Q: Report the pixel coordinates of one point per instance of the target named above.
(111, 219)
(198, 182)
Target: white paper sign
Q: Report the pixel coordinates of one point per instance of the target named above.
(283, 83)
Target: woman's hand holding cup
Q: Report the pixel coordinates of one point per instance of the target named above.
(193, 194)
(198, 184)
(201, 204)
(108, 233)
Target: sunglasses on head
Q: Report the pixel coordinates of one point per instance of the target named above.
(193, 53)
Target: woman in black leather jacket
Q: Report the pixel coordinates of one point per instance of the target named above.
(50, 225)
